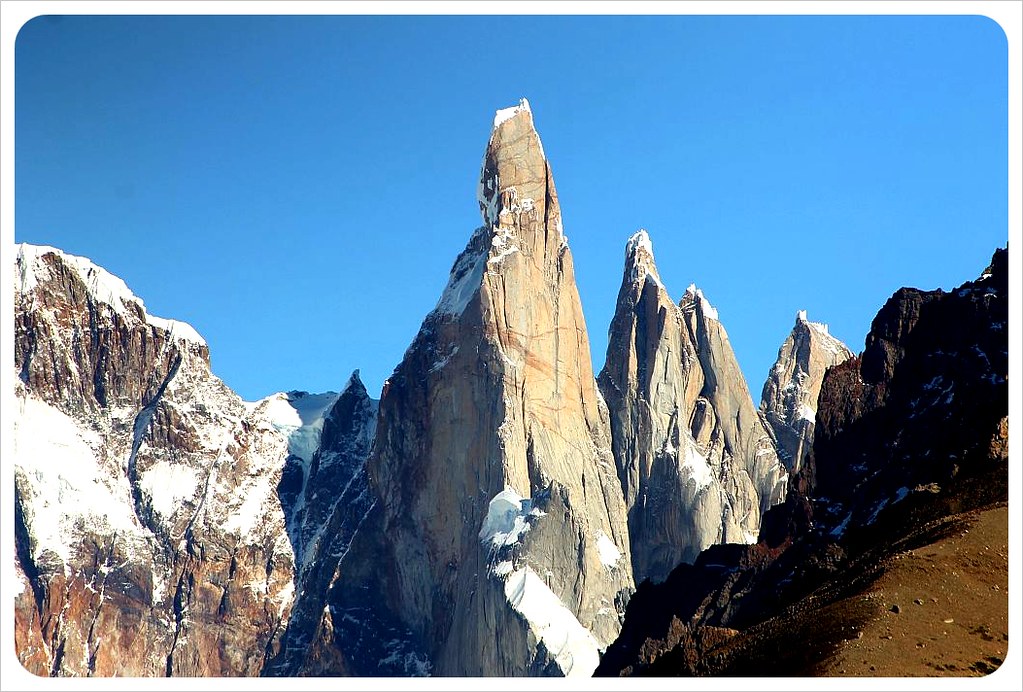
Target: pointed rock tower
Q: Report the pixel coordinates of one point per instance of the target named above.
(499, 539)
(789, 400)
(695, 461)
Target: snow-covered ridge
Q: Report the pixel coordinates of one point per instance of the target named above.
(299, 416)
(103, 286)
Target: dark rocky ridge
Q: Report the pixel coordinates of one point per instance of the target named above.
(910, 435)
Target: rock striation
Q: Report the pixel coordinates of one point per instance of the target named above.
(498, 542)
(789, 399)
(696, 464)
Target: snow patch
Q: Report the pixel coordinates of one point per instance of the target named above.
(506, 519)
(806, 412)
(508, 113)
(503, 569)
(169, 485)
(697, 466)
(608, 551)
(67, 487)
(573, 647)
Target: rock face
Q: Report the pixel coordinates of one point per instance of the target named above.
(149, 535)
(498, 544)
(695, 461)
(910, 436)
(925, 404)
(333, 500)
(789, 400)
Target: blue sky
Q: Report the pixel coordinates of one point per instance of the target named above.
(297, 188)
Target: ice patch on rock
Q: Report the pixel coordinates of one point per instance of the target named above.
(507, 518)
(608, 551)
(573, 647)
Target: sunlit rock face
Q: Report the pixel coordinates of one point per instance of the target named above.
(789, 400)
(696, 464)
(498, 544)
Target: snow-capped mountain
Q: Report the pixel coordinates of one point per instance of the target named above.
(154, 528)
(498, 540)
(696, 464)
(494, 511)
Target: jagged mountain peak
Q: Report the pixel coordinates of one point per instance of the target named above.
(515, 177)
(694, 300)
(789, 397)
(354, 383)
(520, 211)
(639, 258)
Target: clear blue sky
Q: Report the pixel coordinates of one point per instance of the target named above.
(298, 188)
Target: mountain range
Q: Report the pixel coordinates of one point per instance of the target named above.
(499, 509)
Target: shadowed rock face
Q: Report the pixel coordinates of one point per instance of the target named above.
(149, 538)
(696, 464)
(789, 400)
(910, 435)
(495, 394)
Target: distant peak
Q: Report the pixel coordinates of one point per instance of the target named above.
(354, 380)
(819, 327)
(639, 258)
(507, 113)
(693, 296)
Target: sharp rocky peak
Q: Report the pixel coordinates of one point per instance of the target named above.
(639, 259)
(789, 398)
(694, 297)
(515, 177)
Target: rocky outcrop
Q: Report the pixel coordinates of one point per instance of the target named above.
(910, 438)
(498, 543)
(695, 462)
(789, 400)
(148, 529)
(925, 404)
(334, 499)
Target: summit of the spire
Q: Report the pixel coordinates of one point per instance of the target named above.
(506, 113)
(639, 258)
(515, 177)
